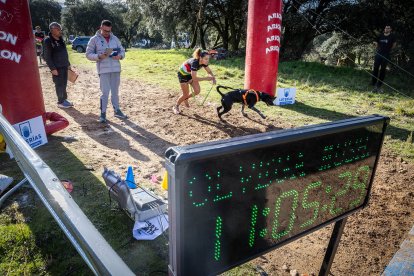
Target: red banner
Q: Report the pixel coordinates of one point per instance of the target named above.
(20, 89)
(264, 27)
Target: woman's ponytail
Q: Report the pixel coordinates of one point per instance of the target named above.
(197, 53)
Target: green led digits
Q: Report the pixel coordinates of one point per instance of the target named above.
(341, 192)
(307, 205)
(253, 221)
(360, 182)
(295, 194)
(217, 245)
(212, 188)
(343, 153)
(263, 232)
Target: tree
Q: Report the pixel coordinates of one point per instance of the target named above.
(85, 18)
(44, 12)
(302, 22)
(362, 21)
(229, 19)
(225, 20)
(126, 18)
(167, 17)
(70, 3)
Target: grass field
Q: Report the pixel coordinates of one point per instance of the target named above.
(31, 243)
(324, 93)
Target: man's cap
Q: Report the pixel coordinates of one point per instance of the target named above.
(54, 25)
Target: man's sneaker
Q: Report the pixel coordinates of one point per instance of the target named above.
(102, 118)
(176, 109)
(65, 104)
(380, 90)
(374, 90)
(68, 102)
(119, 114)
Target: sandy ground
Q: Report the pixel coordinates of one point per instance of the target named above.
(371, 236)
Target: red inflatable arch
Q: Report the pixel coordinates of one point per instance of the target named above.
(20, 89)
(264, 27)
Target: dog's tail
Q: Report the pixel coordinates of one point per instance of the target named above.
(223, 87)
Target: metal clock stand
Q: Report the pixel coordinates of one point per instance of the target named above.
(332, 247)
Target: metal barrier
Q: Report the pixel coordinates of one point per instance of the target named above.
(90, 244)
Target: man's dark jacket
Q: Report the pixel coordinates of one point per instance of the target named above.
(55, 53)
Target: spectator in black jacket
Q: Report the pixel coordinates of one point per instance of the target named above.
(384, 44)
(56, 57)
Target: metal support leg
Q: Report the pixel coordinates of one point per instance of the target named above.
(9, 193)
(332, 247)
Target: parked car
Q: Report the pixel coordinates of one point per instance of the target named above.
(143, 43)
(79, 43)
(219, 53)
(71, 39)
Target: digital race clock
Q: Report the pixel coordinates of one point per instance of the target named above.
(233, 200)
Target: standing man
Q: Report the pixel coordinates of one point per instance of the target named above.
(106, 49)
(56, 57)
(384, 44)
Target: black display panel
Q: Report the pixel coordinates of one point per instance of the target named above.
(237, 199)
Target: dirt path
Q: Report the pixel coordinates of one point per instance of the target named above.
(371, 236)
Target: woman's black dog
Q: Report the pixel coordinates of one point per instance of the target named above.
(247, 97)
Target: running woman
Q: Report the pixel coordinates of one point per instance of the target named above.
(187, 75)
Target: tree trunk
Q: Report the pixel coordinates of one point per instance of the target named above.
(175, 36)
(194, 39)
(226, 34)
(294, 45)
(350, 60)
(202, 37)
(215, 45)
(233, 36)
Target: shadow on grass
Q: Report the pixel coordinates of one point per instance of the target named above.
(50, 247)
(101, 133)
(344, 78)
(394, 132)
(145, 138)
(229, 129)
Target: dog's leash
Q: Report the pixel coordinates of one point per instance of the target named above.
(226, 87)
(192, 92)
(205, 98)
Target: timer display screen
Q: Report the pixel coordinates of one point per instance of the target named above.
(234, 206)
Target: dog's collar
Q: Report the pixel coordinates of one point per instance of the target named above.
(244, 96)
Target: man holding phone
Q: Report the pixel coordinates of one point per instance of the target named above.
(106, 49)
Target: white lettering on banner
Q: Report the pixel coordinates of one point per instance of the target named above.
(5, 16)
(272, 49)
(274, 16)
(6, 54)
(274, 27)
(273, 38)
(8, 37)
